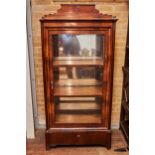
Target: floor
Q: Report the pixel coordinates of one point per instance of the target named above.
(37, 147)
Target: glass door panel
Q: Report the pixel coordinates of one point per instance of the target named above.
(78, 74)
(78, 109)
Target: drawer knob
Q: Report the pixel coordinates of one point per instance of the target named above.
(78, 136)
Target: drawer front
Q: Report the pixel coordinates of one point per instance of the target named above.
(77, 138)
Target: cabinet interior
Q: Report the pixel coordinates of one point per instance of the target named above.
(78, 74)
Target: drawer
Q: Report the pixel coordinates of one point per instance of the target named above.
(77, 138)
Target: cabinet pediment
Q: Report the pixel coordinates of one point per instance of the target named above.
(78, 12)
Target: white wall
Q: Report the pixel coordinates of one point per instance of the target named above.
(87, 41)
(29, 110)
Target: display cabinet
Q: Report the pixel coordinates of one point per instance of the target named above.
(78, 53)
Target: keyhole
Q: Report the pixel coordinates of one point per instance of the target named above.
(78, 136)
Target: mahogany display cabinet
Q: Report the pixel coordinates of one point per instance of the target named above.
(78, 55)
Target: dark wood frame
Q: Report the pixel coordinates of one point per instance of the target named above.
(78, 19)
(124, 116)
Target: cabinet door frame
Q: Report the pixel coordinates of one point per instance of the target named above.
(78, 28)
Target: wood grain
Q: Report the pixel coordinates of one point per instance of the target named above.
(77, 82)
(78, 118)
(79, 105)
(80, 62)
(78, 91)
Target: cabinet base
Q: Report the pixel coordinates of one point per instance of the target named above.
(76, 136)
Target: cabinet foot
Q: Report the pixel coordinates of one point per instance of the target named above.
(50, 146)
(108, 146)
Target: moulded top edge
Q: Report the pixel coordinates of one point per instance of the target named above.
(79, 19)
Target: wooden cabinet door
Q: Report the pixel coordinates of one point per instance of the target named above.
(77, 72)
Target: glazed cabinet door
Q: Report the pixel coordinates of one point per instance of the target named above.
(77, 78)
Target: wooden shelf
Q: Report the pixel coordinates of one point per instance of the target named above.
(77, 82)
(76, 99)
(78, 118)
(78, 91)
(78, 62)
(76, 57)
(80, 106)
(78, 111)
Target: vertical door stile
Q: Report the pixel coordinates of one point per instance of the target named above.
(51, 79)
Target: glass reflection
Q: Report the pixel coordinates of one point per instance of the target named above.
(78, 45)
